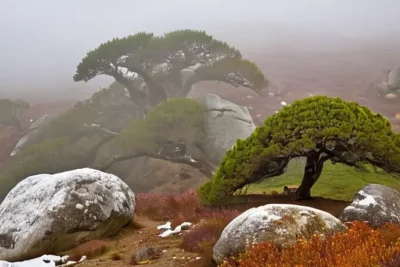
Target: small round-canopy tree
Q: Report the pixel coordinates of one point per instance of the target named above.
(10, 110)
(155, 68)
(319, 128)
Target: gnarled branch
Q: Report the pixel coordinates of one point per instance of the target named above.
(202, 167)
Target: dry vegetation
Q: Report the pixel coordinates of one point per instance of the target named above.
(360, 246)
(90, 249)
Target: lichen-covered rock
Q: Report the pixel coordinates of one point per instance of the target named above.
(374, 203)
(281, 224)
(51, 213)
(224, 123)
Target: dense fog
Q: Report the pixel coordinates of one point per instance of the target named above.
(43, 41)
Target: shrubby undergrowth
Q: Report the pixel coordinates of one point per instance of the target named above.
(361, 245)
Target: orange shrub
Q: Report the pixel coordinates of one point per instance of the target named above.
(202, 238)
(207, 231)
(359, 246)
(90, 249)
(177, 208)
(161, 207)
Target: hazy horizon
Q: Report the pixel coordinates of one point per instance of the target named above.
(43, 41)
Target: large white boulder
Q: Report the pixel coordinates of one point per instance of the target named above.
(281, 224)
(52, 213)
(377, 204)
(224, 123)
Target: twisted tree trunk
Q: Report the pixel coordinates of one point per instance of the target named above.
(312, 171)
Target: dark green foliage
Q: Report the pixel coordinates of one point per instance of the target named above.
(66, 143)
(107, 107)
(170, 121)
(144, 54)
(10, 111)
(348, 133)
(51, 156)
(107, 56)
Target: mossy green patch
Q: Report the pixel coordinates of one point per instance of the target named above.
(336, 182)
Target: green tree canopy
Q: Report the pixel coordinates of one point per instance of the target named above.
(150, 67)
(10, 110)
(319, 128)
(173, 121)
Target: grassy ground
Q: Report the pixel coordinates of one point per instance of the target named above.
(336, 182)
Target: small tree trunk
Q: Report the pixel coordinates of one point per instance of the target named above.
(157, 92)
(312, 172)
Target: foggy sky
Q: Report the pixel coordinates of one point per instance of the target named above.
(42, 41)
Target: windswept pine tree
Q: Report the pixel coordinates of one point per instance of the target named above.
(320, 129)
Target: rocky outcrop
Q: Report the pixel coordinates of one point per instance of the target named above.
(281, 224)
(34, 131)
(374, 203)
(51, 213)
(224, 123)
(393, 80)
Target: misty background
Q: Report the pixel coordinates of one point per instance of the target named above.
(42, 41)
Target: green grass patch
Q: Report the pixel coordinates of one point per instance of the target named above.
(336, 182)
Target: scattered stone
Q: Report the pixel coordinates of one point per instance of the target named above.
(146, 254)
(165, 226)
(182, 227)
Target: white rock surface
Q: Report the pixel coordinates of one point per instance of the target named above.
(35, 130)
(281, 224)
(374, 203)
(177, 229)
(165, 226)
(224, 123)
(189, 72)
(43, 213)
(44, 261)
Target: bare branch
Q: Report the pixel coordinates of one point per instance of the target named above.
(203, 168)
(96, 126)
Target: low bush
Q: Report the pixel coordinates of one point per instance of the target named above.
(90, 249)
(202, 238)
(359, 246)
(116, 256)
(160, 207)
(208, 231)
(178, 208)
